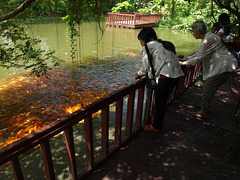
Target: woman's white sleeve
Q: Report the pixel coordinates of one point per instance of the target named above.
(207, 48)
(145, 65)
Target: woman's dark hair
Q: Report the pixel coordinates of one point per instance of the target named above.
(168, 45)
(224, 21)
(147, 34)
(216, 24)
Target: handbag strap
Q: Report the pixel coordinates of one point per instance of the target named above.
(150, 60)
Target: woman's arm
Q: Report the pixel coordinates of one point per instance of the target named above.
(207, 48)
(145, 65)
(220, 34)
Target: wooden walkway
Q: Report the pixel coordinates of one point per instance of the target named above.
(187, 148)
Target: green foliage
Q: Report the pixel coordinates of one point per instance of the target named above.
(72, 34)
(154, 6)
(18, 50)
(182, 8)
(83, 10)
(78, 11)
(186, 14)
(48, 8)
(125, 6)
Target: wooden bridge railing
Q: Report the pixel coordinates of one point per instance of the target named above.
(131, 19)
(152, 18)
(138, 107)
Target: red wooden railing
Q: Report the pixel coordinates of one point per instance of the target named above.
(140, 106)
(132, 20)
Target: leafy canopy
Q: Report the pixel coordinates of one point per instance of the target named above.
(21, 51)
(18, 49)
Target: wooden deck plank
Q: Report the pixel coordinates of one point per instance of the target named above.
(187, 148)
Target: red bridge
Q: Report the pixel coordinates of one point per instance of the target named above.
(132, 20)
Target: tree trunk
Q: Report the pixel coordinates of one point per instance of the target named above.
(16, 11)
(173, 8)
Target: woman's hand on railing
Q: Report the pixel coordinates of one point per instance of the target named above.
(181, 63)
(182, 59)
(137, 76)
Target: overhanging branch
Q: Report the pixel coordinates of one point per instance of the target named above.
(16, 11)
(220, 4)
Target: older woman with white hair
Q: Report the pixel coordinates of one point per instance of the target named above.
(218, 64)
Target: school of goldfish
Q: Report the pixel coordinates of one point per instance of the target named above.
(28, 103)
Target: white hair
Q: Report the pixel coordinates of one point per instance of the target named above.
(199, 26)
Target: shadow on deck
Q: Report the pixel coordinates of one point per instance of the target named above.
(187, 148)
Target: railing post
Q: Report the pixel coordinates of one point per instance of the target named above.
(139, 107)
(105, 129)
(16, 169)
(71, 153)
(130, 109)
(134, 21)
(89, 141)
(118, 122)
(152, 111)
(148, 105)
(117, 16)
(47, 160)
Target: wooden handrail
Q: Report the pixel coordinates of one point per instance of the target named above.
(130, 19)
(43, 136)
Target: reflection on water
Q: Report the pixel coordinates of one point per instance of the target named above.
(28, 103)
(113, 43)
(91, 44)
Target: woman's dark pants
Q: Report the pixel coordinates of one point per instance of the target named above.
(164, 89)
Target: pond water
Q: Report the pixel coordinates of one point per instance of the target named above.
(93, 46)
(114, 41)
(104, 63)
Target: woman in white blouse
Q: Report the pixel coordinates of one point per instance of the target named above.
(225, 24)
(167, 72)
(218, 64)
